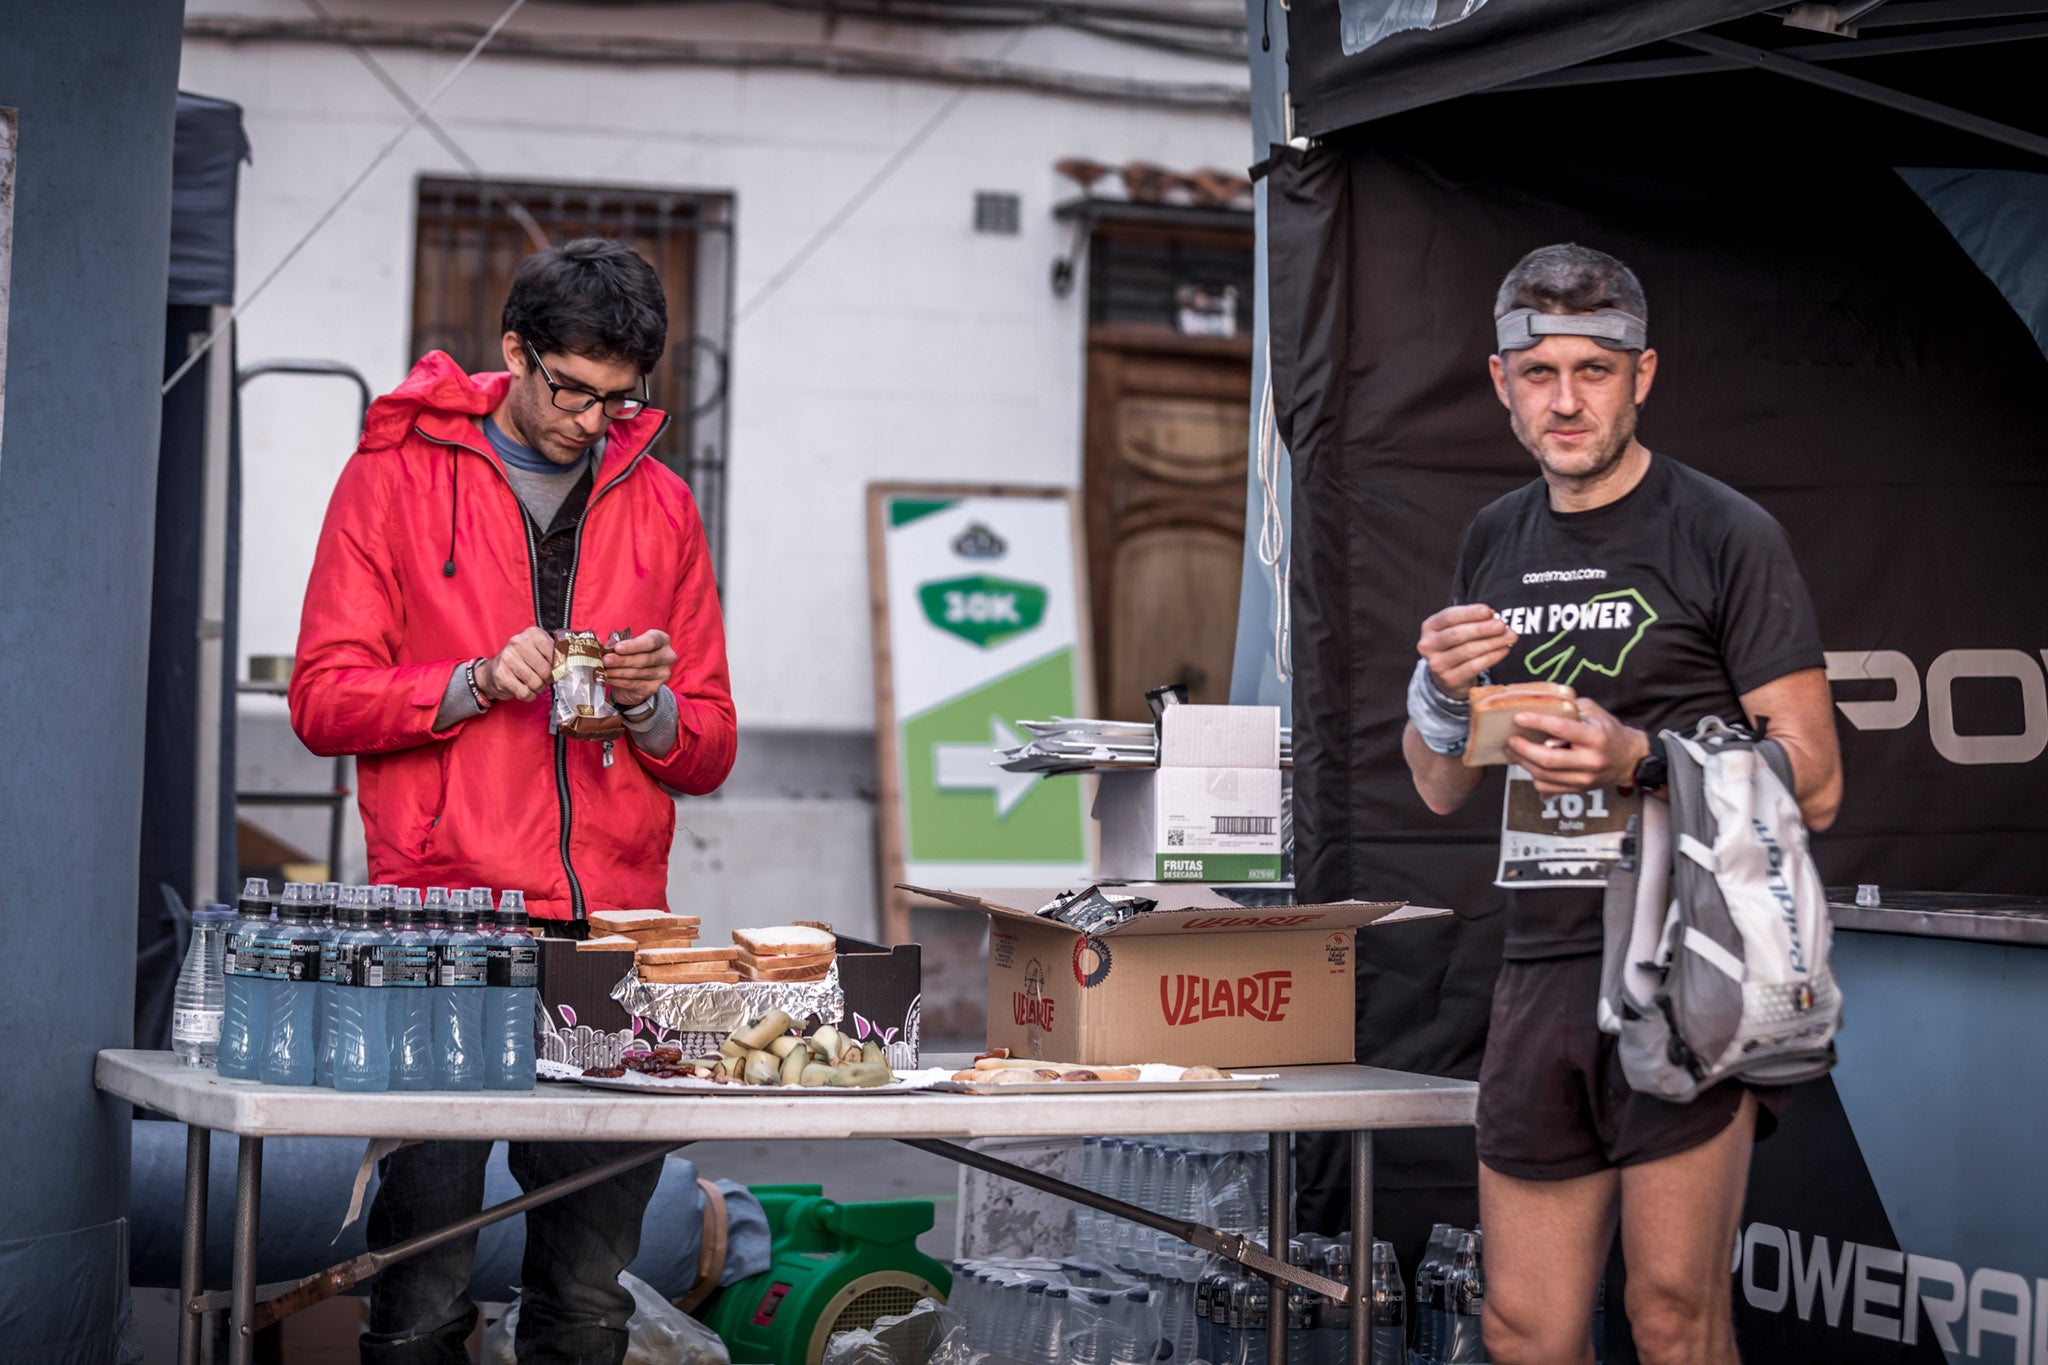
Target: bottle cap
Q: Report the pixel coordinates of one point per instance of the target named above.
(383, 896)
(512, 909)
(480, 898)
(330, 893)
(214, 913)
(408, 908)
(255, 897)
(437, 898)
(294, 905)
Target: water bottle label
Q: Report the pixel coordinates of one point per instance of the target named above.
(195, 1025)
(335, 968)
(365, 967)
(514, 965)
(408, 964)
(246, 955)
(464, 964)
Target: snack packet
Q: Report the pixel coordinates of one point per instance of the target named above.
(582, 704)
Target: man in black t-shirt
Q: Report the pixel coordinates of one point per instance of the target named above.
(1661, 596)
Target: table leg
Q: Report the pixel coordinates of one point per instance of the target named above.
(192, 1259)
(248, 1196)
(1361, 1250)
(1279, 1231)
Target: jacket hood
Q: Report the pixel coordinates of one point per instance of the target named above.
(436, 385)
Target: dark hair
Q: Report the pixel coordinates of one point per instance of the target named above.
(592, 297)
(1569, 278)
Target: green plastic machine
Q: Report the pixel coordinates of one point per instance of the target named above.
(837, 1268)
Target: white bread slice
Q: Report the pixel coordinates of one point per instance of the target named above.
(793, 974)
(747, 959)
(608, 944)
(1493, 717)
(669, 956)
(631, 921)
(666, 938)
(785, 940)
(685, 974)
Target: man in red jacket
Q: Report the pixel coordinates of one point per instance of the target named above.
(481, 512)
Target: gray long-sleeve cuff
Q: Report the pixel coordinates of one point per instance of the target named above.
(655, 734)
(457, 702)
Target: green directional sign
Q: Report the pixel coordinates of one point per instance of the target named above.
(979, 593)
(983, 610)
(965, 809)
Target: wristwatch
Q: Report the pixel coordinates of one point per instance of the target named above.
(1653, 771)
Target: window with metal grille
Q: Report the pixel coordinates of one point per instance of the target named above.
(468, 242)
(1141, 272)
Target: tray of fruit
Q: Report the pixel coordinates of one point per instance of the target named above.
(769, 1053)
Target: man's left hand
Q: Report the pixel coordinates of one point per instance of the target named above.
(635, 669)
(1596, 751)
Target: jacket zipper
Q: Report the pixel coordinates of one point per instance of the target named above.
(563, 806)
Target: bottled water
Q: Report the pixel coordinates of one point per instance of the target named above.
(1429, 1273)
(1466, 1286)
(1045, 1328)
(1091, 1179)
(1330, 1334)
(510, 998)
(291, 1052)
(1389, 1302)
(1134, 1335)
(362, 1028)
(409, 994)
(459, 999)
(245, 996)
(196, 1003)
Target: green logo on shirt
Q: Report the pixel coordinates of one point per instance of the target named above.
(1597, 634)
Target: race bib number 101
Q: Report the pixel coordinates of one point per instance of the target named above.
(1572, 839)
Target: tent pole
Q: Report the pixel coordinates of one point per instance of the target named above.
(211, 665)
(1856, 88)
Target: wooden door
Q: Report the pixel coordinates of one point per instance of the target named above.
(1167, 424)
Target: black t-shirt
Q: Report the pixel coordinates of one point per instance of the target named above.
(1664, 606)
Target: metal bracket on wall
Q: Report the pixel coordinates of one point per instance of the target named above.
(1064, 268)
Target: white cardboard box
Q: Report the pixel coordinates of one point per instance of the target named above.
(1190, 824)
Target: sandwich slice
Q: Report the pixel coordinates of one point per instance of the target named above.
(685, 973)
(1493, 717)
(785, 940)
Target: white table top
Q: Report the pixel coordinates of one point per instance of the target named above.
(1302, 1099)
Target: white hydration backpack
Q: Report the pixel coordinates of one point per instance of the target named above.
(1717, 930)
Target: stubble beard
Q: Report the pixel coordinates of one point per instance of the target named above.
(1602, 459)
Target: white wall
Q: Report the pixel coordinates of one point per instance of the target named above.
(907, 348)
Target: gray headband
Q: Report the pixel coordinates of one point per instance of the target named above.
(1609, 327)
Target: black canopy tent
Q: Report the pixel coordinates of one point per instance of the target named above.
(1845, 335)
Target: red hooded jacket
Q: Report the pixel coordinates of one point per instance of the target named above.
(495, 800)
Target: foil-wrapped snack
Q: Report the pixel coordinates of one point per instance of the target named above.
(716, 1007)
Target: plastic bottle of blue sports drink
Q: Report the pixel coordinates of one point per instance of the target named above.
(511, 996)
(362, 1024)
(245, 1001)
(291, 1054)
(335, 977)
(409, 993)
(461, 980)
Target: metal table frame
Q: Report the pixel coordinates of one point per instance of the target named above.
(1354, 1099)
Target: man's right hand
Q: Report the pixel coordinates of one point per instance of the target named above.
(522, 670)
(1460, 643)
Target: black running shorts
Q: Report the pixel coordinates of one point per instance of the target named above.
(1553, 1103)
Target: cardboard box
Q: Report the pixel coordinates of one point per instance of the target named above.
(1203, 980)
(580, 1023)
(1210, 812)
(1190, 824)
(1220, 737)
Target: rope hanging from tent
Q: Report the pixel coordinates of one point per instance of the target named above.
(1273, 532)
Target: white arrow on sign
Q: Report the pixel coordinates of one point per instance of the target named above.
(957, 767)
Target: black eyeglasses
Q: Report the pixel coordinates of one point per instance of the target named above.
(571, 399)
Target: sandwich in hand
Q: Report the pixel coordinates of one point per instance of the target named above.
(1493, 718)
